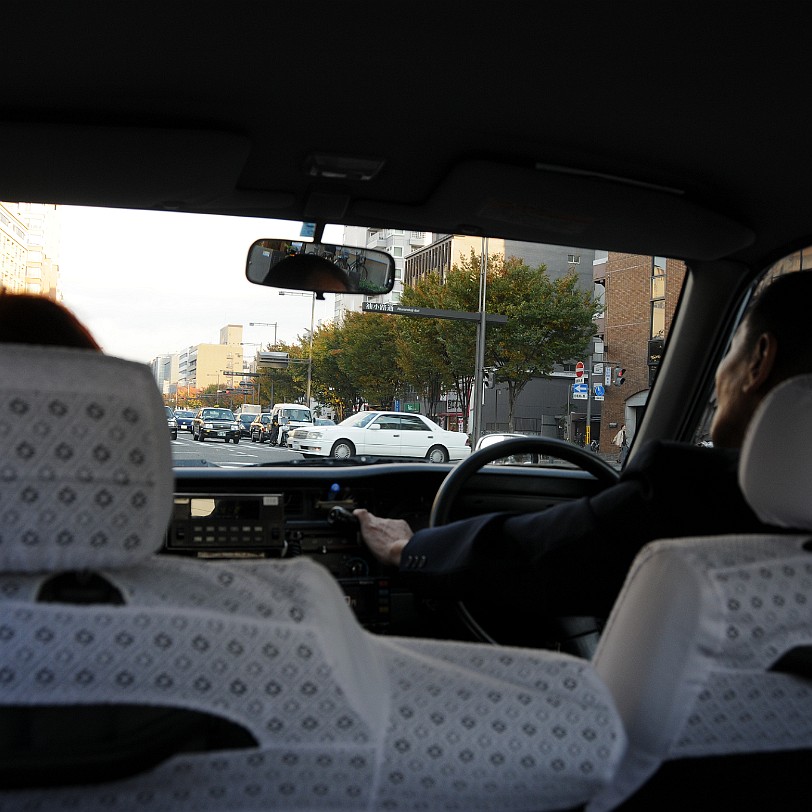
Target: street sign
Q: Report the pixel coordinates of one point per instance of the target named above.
(599, 392)
(579, 370)
(275, 360)
(428, 313)
(607, 375)
(397, 405)
(580, 391)
(411, 407)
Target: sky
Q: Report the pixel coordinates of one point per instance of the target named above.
(152, 283)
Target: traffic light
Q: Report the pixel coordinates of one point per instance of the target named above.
(490, 378)
(620, 376)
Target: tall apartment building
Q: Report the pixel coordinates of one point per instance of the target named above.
(399, 243)
(29, 248)
(165, 371)
(446, 250)
(202, 365)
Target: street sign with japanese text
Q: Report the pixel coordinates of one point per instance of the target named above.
(428, 312)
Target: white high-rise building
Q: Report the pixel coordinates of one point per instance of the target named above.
(397, 242)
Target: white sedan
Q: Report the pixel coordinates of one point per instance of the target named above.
(383, 434)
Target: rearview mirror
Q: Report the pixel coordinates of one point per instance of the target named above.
(320, 267)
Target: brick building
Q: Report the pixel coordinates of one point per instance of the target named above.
(641, 294)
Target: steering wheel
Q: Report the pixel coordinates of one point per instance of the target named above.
(577, 635)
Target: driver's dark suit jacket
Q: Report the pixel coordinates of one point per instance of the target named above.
(573, 557)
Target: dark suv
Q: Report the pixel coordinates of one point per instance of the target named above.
(261, 428)
(218, 423)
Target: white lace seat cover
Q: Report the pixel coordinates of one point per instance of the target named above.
(343, 719)
(690, 647)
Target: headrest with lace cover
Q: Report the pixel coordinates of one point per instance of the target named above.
(775, 469)
(85, 461)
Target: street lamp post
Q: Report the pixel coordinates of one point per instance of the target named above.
(310, 350)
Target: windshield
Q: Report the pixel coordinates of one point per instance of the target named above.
(217, 414)
(302, 415)
(359, 420)
(411, 351)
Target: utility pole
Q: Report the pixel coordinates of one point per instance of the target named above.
(310, 351)
(588, 375)
(478, 395)
(595, 355)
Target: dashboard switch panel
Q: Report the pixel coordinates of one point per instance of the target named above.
(227, 522)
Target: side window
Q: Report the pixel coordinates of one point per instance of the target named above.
(412, 423)
(792, 263)
(389, 422)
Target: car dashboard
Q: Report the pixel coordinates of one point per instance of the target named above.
(287, 512)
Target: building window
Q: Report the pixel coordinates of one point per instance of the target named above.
(657, 298)
(574, 259)
(658, 318)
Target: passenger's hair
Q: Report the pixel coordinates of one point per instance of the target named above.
(26, 318)
(783, 309)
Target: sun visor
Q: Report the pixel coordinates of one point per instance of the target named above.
(118, 166)
(569, 208)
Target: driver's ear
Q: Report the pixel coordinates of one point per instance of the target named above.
(761, 363)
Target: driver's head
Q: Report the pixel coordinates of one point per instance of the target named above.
(772, 343)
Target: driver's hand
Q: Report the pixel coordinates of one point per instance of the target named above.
(385, 538)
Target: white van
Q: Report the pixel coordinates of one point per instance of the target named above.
(291, 416)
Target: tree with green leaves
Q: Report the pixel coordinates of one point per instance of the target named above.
(439, 354)
(369, 357)
(287, 385)
(331, 386)
(549, 322)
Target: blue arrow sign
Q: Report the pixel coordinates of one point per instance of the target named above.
(599, 391)
(580, 388)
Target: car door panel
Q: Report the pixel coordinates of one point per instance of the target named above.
(385, 439)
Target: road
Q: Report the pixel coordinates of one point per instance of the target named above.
(186, 451)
